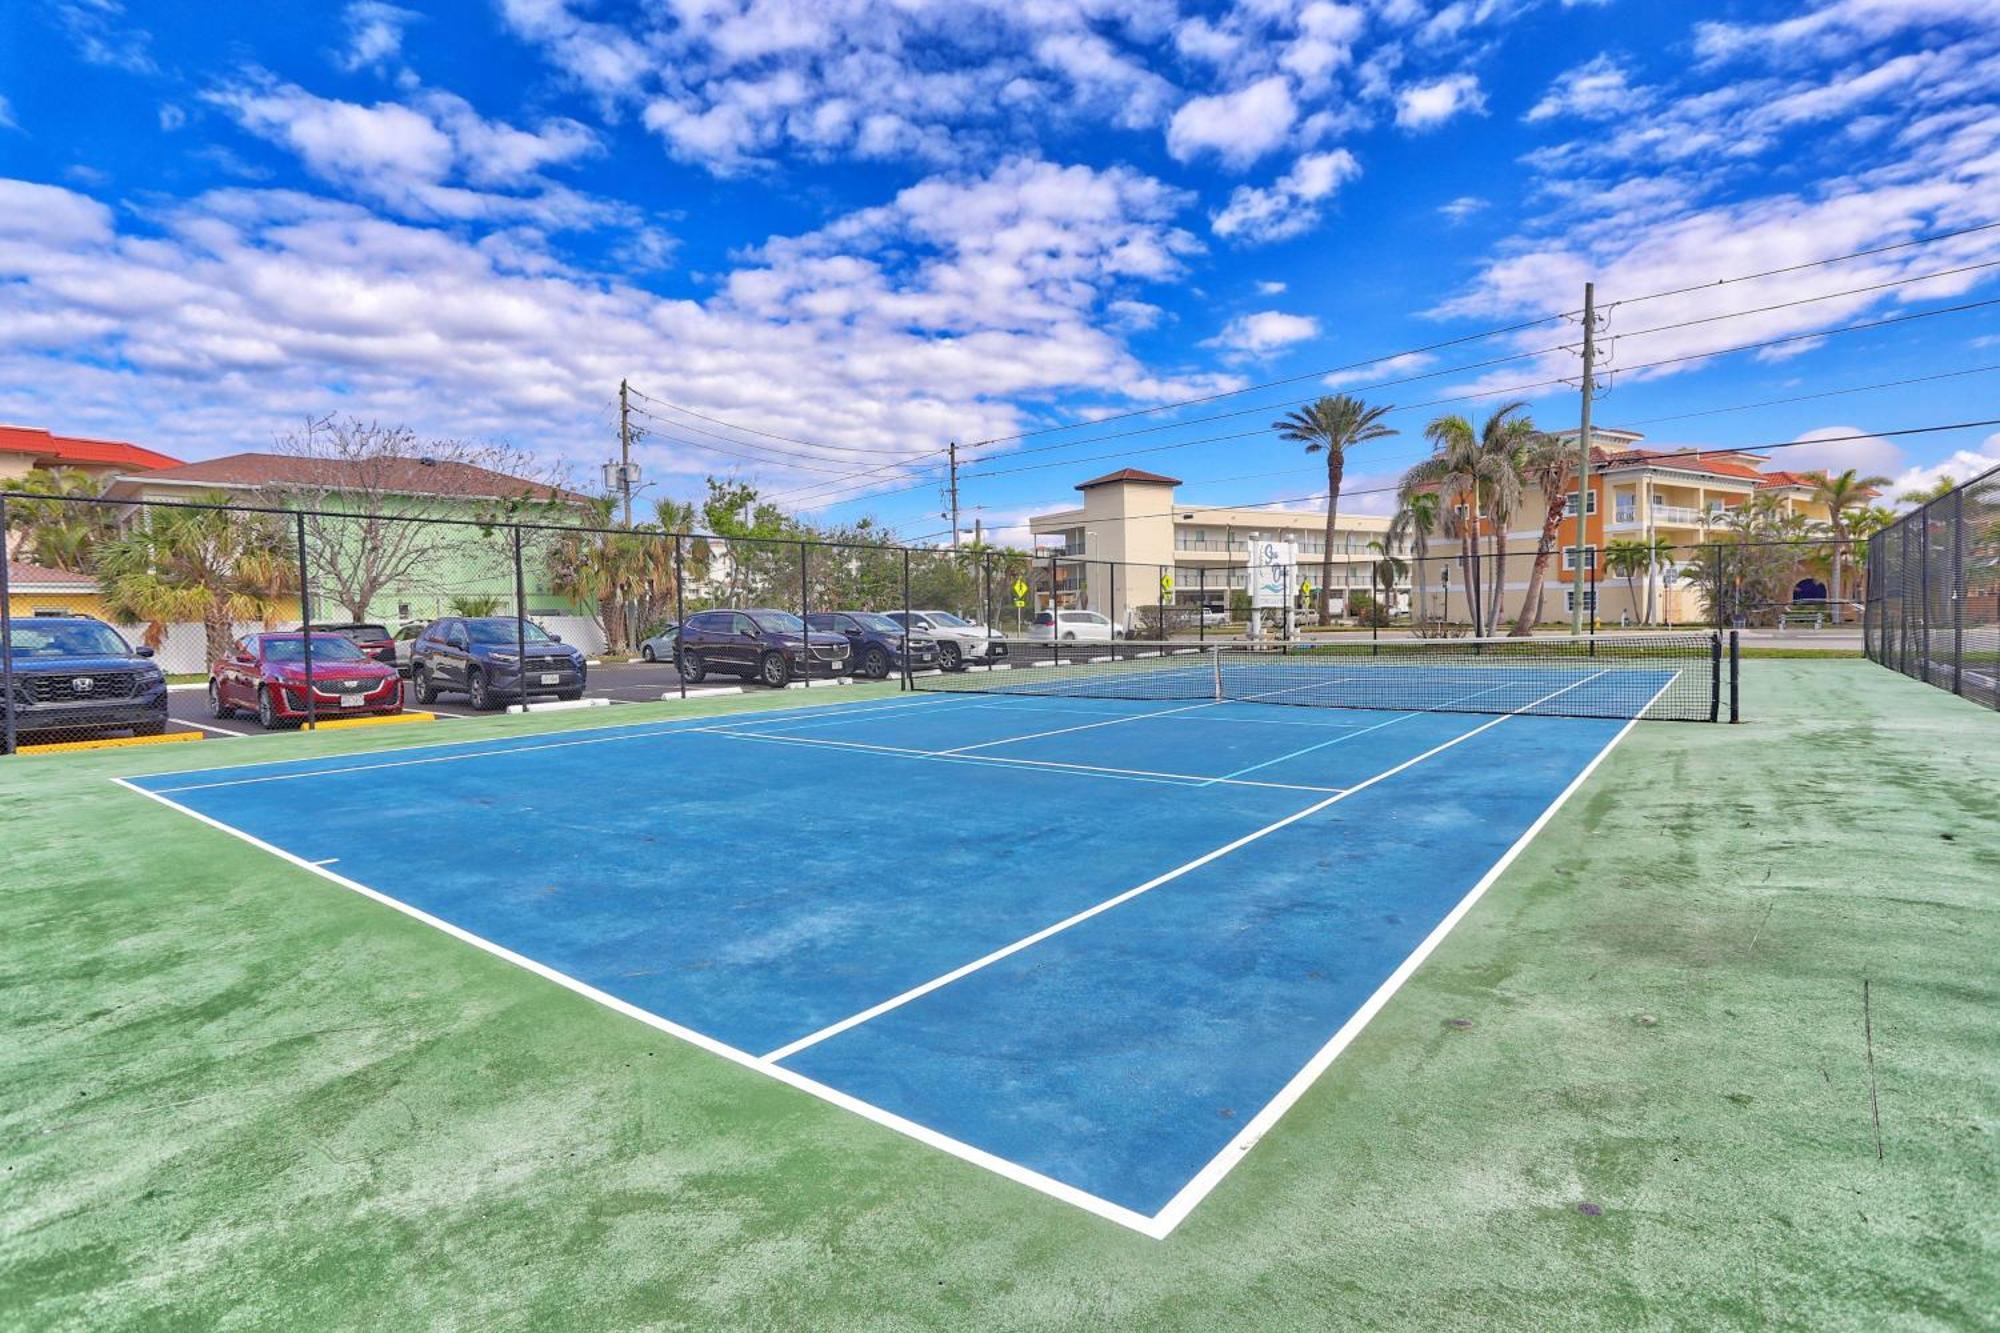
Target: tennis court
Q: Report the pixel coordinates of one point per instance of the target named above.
(1093, 926)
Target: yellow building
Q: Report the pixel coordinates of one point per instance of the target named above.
(31, 588)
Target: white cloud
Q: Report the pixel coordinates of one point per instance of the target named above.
(1292, 205)
(1598, 89)
(1868, 454)
(1238, 127)
(1460, 209)
(100, 35)
(434, 157)
(1265, 332)
(7, 121)
(1393, 367)
(1838, 29)
(1961, 467)
(921, 319)
(1270, 289)
(1425, 106)
(374, 33)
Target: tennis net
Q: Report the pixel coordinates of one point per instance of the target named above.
(1664, 676)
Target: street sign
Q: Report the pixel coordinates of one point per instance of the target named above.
(1020, 603)
(1020, 590)
(1166, 583)
(1306, 588)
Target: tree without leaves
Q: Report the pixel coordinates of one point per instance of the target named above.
(1332, 425)
(373, 496)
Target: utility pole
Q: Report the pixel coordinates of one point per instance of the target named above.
(952, 450)
(625, 446)
(1576, 581)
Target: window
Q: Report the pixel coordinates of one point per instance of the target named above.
(1589, 557)
(1589, 600)
(1569, 504)
(1625, 507)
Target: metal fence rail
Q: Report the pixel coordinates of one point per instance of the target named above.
(1933, 608)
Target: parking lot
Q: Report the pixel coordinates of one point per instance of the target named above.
(616, 682)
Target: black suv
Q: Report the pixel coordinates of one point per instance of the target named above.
(76, 673)
(480, 655)
(877, 642)
(758, 644)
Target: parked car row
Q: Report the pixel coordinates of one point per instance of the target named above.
(773, 646)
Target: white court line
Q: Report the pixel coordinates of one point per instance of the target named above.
(203, 726)
(923, 1134)
(672, 727)
(1007, 950)
(1083, 726)
(1191, 1194)
(1054, 765)
(1318, 745)
(1296, 722)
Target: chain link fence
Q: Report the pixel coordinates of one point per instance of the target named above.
(1933, 601)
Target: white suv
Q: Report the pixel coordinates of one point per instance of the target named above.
(960, 641)
(1086, 626)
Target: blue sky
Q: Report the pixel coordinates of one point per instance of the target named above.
(867, 227)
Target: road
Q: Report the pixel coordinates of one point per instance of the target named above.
(621, 683)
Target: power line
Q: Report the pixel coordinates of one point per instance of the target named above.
(749, 430)
(1824, 393)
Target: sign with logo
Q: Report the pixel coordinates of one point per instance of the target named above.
(1271, 567)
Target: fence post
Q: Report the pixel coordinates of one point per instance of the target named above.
(805, 609)
(1201, 605)
(1923, 526)
(986, 594)
(1161, 585)
(1957, 592)
(909, 678)
(6, 642)
(521, 623)
(306, 625)
(681, 611)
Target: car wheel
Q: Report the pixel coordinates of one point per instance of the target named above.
(1071, 636)
(949, 657)
(693, 670)
(775, 671)
(477, 690)
(421, 687)
(217, 709)
(267, 712)
(875, 664)
(646, 653)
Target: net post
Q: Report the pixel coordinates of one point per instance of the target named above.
(521, 623)
(1715, 676)
(1215, 661)
(306, 624)
(6, 642)
(680, 611)
(1735, 675)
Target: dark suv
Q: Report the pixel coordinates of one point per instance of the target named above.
(876, 642)
(76, 673)
(480, 657)
(758, 644)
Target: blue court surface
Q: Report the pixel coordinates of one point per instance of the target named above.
(1097, 946)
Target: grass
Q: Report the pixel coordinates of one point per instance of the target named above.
(1636, 1088)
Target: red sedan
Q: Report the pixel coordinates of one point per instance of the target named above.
(266, 674)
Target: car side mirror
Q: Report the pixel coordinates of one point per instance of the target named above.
(555, 638)
(145, 652)
(853, 633)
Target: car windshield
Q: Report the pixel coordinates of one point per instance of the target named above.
(66, 640)
(503, 631)
(369, 632)
(879, 623)
(778, 622)
(947, 618)
(326, 648)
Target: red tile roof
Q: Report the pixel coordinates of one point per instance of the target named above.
(407, 476)
(56, 450)
(1128, 474)
(1789, 479)
(34, 578)
(1722, 464)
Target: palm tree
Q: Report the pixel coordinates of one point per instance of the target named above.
(1937, 490)
(1415, 520)
(1462, 474)
(1840, 494)
(1659, 555)
(211, 565)
(1385, 571)
(1549, 465)
(1505, 439)
(1334, 425)
(1627, 559)
(60, 529)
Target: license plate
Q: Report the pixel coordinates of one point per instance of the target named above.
(352, 700)
(550, 677)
